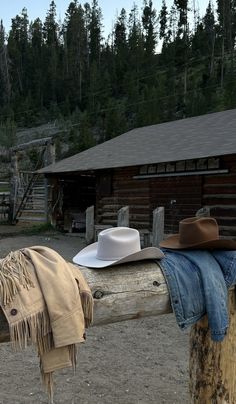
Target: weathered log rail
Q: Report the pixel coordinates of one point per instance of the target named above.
(121, 293)
(139, 290)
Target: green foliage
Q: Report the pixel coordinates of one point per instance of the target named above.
(102, 87)
(44, 228)
(7, 134)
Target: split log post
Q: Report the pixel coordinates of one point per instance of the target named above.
(212, 365)
(158, 226)
(123, 217)
(89, 234)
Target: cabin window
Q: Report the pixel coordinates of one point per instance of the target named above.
(209, 165)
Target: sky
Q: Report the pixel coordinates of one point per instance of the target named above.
(38, 8)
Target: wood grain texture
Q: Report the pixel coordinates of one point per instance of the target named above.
(212, 364)
(121, 293)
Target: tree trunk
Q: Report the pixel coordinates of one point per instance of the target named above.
(213, 364)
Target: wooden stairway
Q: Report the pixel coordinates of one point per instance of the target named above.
(31, 200)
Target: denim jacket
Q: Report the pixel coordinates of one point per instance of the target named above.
(197, 281)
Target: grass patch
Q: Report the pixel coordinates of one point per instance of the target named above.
(38, 229)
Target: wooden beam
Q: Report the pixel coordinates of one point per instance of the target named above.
(121, 293)
(37, 142)
(128, 291)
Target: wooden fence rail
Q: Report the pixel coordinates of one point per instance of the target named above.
(139, 290)
(121, 293)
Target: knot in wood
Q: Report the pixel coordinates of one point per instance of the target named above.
(156, 283)
(98, 294)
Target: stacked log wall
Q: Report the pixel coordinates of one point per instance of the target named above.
(219, 193)
(126, 191)
(181, 197)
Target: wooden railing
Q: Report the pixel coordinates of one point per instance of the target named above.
(137, 290)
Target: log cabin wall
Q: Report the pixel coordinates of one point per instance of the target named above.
(181, 197)
(219, 193)
(124, 190)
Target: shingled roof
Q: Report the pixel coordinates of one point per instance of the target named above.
(202, 136)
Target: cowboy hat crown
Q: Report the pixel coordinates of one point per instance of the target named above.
(198, 233)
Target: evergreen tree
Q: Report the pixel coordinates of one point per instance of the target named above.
(51, 56)
(18, 51)
(5, 86)
(136, 59)
(163, 19)
(75, 45)
(37, 73)
(95, 33)
(227, 17)
(120, 52)
(149, 28)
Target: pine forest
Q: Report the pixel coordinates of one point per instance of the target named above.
(154, 66)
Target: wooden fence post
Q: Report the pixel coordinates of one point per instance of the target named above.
(212, 365)
(158, 226)
(123, 217)
(14, 182)
(49, 158)
(203, 212)
(89, 235)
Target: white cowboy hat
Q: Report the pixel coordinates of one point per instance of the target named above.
(115, 246)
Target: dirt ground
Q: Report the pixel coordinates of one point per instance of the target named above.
(134, 362)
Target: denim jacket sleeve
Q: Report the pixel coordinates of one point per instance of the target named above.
(185, 288)
(197, 287)
(227, 262)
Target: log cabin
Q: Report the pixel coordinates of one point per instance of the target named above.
(183, 165)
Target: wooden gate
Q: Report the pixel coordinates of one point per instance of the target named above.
(29, 189)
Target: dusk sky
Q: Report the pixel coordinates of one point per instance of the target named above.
(38, 8)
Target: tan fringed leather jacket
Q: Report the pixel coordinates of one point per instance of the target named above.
(46, 301)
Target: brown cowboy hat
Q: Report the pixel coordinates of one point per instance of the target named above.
(198, 233)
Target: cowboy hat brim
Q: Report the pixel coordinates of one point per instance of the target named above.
(87, 257)
(173, 242)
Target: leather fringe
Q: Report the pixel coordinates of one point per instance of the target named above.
(87, 306)
(13, 276)
(47, 380)
(32, 330)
